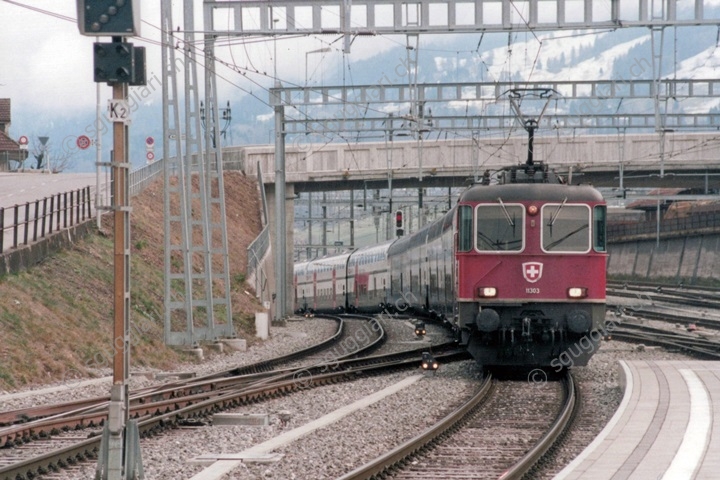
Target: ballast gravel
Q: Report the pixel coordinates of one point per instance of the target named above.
(364, 434)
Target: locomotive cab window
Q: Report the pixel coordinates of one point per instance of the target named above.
(465, 233)
(565, 228)
(500, 227)
(599, 218)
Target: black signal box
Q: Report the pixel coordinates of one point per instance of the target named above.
(113, 18)
(119, 62)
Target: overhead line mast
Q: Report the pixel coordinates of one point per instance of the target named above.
(255, 18)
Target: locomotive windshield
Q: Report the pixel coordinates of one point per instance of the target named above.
(500, 227)
(566, 228)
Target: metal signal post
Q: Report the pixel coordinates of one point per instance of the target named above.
(118, 64)
(119, 457)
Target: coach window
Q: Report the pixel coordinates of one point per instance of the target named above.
(599, 219)
(500, 227)
(465, 232)
(566, 228)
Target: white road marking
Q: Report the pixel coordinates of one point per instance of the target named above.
(697, 434)
(222, 467)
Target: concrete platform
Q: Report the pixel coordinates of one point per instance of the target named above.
(665, 428)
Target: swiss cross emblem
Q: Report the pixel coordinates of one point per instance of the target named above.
(532, 271)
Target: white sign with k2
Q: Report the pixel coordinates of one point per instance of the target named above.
(118, 111)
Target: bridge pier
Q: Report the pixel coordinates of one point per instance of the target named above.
(289, 199)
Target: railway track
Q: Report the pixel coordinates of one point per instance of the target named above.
(501, 432)
(654, 302)
(669, 294)
(680, 341)
(172, 391)
(187, 403)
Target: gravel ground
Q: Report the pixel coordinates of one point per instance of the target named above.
(369, 432)
(295, 336)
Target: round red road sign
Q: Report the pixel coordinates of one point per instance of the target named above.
(150, 156)
(83, 142)
(23, 140)
(149, 141)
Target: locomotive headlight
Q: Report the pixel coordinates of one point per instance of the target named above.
(487, 292)
(577, 292)
(532, 210)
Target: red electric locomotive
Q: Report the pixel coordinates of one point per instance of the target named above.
(530, 261)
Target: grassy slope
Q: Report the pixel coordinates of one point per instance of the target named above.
(56, 319)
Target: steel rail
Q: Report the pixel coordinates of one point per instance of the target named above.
(377, 468)
(174, 397)
(666, 317)
(556, 432)
(408, 448)
(150, 426)
(176, 410)
(687, 345)
(168, 390)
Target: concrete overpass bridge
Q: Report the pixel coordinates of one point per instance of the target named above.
(623, 160)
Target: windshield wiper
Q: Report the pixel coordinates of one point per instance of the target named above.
(507, 214)
(557, 242)
(554, 216)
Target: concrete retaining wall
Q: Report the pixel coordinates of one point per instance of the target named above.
(14, 261)
(684, 258)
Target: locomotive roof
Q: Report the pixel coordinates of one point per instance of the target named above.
(519, 192)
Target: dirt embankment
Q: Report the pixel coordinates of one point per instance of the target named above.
(56, 319)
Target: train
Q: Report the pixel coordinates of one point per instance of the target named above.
(517, 269)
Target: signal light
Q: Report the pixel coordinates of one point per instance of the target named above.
(119, 62)
(429, 362)
(399, 219)
(112, 18)
(113, 62)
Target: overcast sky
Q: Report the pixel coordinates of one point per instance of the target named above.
(45, 61)
(47, 64)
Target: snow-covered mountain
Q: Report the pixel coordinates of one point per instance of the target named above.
(621, 55)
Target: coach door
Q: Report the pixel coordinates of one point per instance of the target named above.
(315, 293)
(334, 289)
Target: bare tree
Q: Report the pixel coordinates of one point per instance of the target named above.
(49, 157)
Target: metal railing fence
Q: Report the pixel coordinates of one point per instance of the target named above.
(25, 223)
(141, 177)
(37, 219)
(259, 247)
(694, 223)
(256, 251)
